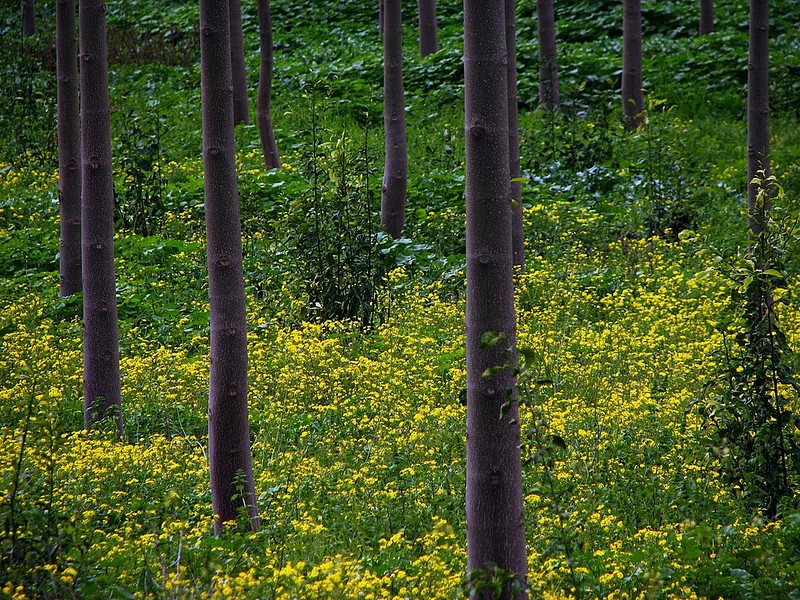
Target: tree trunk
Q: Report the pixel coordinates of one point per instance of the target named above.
(495, 526)
(230, 462)
(428, 36)
(241, 109)
(706, 16)
(393, 198)
(548, 63)
(632, 94)
(264, 108)
(28, 18)
(101, 386)
(757, 111)
(517, 232)
(69, 148)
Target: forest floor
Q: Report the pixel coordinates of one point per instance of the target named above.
(627, 316)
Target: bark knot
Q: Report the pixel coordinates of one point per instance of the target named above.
(207, 31)
(214, 151)
(478, 130)
(224, 262)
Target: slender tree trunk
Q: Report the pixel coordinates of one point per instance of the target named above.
(706, 16)
(495, 526)
(395, 174)
(264, 109)
(101, 386)
(230, 462)
(517, 232)
(632, 94)
(69, 148)
(548, 62)
(241, 109)
(757, 111)
(428, 36)
(28, 18)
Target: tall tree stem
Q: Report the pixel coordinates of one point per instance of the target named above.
(548, 61)
(495, 525)
(706, 17)
(28, 18)
(395, 174)
(264, 105)
(241, 108)
(517, 230)
(230, 461)
(428, 35)
(69, 148)
(758, 146)
(632, 94)
(101, 386)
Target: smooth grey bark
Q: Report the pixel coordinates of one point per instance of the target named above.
(230, 461)
(758, 147)
(495, 525)
(28, 18)
(632, 94)
(428, 34)
(101, 383)
(395, 173)
(264, 103)
(706, 16)
(69, 149)
(241, 108)
(548, 61)
(517, 231)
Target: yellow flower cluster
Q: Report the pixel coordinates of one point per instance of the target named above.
(358, 440)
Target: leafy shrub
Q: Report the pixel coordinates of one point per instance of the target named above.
(751, 408)
(28, 97)
(139, 202)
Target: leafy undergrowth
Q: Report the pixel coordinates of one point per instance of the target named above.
(357, 422)
(358, 439)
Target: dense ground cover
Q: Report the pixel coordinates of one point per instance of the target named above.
(356, 341)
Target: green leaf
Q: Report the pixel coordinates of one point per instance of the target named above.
(491, 371)
(505, 408)
(740, 574)
(491, 338)
(527, 355)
